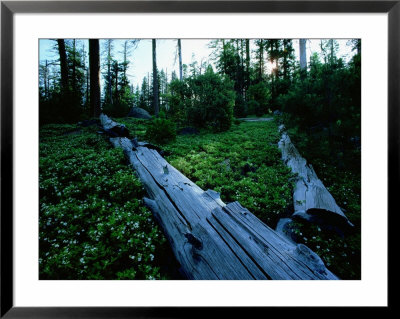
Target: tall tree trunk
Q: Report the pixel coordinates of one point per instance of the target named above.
(242, 57)
(285, 56)
(238, 63)
(261, 57)
(86, 68)
(247, 64)
(277, 54)
(358, 46)
(87, 86)
(94, 64)
(180, 59)
(125, 81)
(46, 86)
(303, 56)
(63, 65)
(224, 54)
(74, 66)
(155, 80)
(116, 81)
(322, 47)
(148, 100)
(109, 72)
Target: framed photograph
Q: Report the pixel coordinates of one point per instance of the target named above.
(158, 156)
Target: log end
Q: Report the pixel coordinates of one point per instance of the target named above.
(309, 257)
(327, 220)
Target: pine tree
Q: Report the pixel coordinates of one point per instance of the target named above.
(260, 64)
(108, 97)
(94, 64)
(303, 56)
(180, 59)
(156, 105)
(63, 65)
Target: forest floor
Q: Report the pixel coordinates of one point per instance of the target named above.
(255, 119)
(93, 224)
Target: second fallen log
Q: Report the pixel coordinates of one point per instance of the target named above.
(311, 200)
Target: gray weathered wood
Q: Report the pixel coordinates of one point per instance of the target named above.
(303, 54)
(108, 123)
(211, 239)
(113, 128)
(311, 200)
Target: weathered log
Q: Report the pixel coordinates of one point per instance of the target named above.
(112, 128)
(311, 200)
(211, 239)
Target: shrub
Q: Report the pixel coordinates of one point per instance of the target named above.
(61, 108)
(119, 109)
(161, 130)
(240, 106)
(253, 107)
(122, 103)
(205, 100)
(261, 94)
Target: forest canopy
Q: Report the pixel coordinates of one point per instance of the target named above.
(261, 75)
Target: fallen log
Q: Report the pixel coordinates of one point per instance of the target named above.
(311, 200)
(211, 239)
(112, 128)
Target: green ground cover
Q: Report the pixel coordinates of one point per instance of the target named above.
(93, 224)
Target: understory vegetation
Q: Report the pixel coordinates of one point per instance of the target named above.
(93, 224)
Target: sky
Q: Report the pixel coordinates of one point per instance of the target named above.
(192, 50)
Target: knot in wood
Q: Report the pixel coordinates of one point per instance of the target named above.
(135, 144)
(165, 169)
(195, 242)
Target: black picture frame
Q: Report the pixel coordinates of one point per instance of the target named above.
(9, 8)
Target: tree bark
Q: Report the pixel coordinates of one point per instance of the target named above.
(86, 68)
(125, 61)
(261, 59)
(116, 81)
(303, 56)
(358, 46)
(247, 65)
(211, 239)
(87, 86)
(94, 65)
(332, 49)
(224, 55)
(74, 65)
(156, 105)
(285, 59)
(63, 65)
(109, 58)
(180, 60)
(46, 85)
